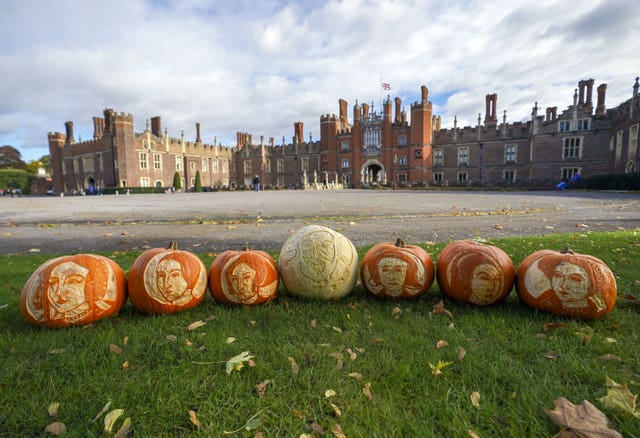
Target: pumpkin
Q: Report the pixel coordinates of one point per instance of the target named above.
(73, 290)
(167, 280)
(318, 262)
(243, 277)
(566, 283)
(396, 270)
(475, 273)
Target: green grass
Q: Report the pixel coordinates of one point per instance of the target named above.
(506, 361)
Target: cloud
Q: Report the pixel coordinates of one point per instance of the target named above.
(260, 66)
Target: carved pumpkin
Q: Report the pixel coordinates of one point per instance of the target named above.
(318, 262)
(397, 270)
(475, 273)
(243, 277)
(73, 290)
(566, 283)
(167, 280)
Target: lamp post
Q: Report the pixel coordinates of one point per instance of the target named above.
(395, 171)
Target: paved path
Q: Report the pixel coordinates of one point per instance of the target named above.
(212, 222)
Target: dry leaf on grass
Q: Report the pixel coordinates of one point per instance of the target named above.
(193, 418)
(261, 388)
(336, 430)
(439, 309)
(475, 399)
(367, 391)
(441, 344)
(125, 429)
(53, 409)
(236, 362)
(461, 354)
(56, 428)
(116, 349)
(583, 420)
(356, 376)
(611, 357)
(295, 369)
(336, 410)
(111, 418)
(195, 325)
(330, 393)
(619, 398)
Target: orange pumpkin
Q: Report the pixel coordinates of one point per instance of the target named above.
(397, 270)
(167, 280)
(566, 283)
(475, 273)
(243, 277)
(73, 290)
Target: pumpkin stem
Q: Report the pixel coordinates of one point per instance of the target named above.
(399, 243)
(566, 250)
(246, 247)
(173, 245)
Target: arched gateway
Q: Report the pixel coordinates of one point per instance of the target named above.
(373, 172)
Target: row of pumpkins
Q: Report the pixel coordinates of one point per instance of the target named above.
(315, 262)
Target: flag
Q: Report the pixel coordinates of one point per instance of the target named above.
(386, 86)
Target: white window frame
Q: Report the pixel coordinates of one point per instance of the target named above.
(510, 153)
(143, 160)
(157, 162)
(463, 156)
(438, 157)
(571, 148)
(345, 163)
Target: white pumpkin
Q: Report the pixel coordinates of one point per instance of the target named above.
(318, 262)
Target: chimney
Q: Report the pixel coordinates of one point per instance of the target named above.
(98, 127)
(398, 103)
(600, 108)
(425, 93)
(69, 128)
(156, 127)
(490, 117)
(298, 128)
(343, 112)
(198, 139)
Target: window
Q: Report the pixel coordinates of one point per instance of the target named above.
(509, 176)
(267, 166)
(178, 164)
(76, 165)
(463, 156)
(248, 167)
(280, 166)
(87, 164)
(463, 177)
(144, 160)
(144, 182)
(204, 165)
(418, 153)
(402, 160)
(563, 125)
(345, 164)
(345, 179)
(214, 165)
(192, 165)
(437, 178)
(438, 157)
(304, 164)
(402, 140)
(510, 153)
(619, 145)
(280, 181)
(157, 161)
(583, 124)
(571, 148)
(633, 141)
(345, 145)
(569, 172)
(372, 136)
(64, 167)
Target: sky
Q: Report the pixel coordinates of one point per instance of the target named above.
(260, 66)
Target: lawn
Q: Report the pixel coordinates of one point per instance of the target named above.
(359, 366)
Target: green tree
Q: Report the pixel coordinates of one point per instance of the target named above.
(198, 183)
(44, 162)
(11, 158)
(177, 182)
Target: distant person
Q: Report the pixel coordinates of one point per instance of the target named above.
(256, 183)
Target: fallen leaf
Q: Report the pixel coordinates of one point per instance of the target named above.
(295, 369)
(619, 398)
(461, 354)
(116, 349)
(236, 362)
(125, 364)
(336, 430)
(475, 399)
(436, 369)
(261, 388)
(104, 409)
(193, 418)
(111, 418)
(171, 338)
(352, 354)
(56, 351)
(338, 329)
(611, 357)
(552, 355)
(313, 323)
(315, 427)
(339, 357)
(628, 296)
(472, 434)
(125, 429)
(396, 312)
(195, 325)
(583, 419)
(330, 393)
(252, 423)
(230, 340)
(56, 428)
(367, 391)
(53, 409)
(336, 410)
(439, 309)
(441, 344)
(498, 227)
(611, 340)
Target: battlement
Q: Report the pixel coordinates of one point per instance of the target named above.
(326, 118)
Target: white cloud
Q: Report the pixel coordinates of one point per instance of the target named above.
(260, 66)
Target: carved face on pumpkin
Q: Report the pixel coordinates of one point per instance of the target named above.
(393, 273)
(242, 278)
(318, 254)
(170, 280)
(485, 279)
(66, 291)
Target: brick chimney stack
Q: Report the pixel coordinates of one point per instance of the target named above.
(69, 129)
(600, 108)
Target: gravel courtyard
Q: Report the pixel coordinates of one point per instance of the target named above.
(212, 222)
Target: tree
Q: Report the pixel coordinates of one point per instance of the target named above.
(177, 183)
(44, 162)
(198, 183)
(10, 158)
